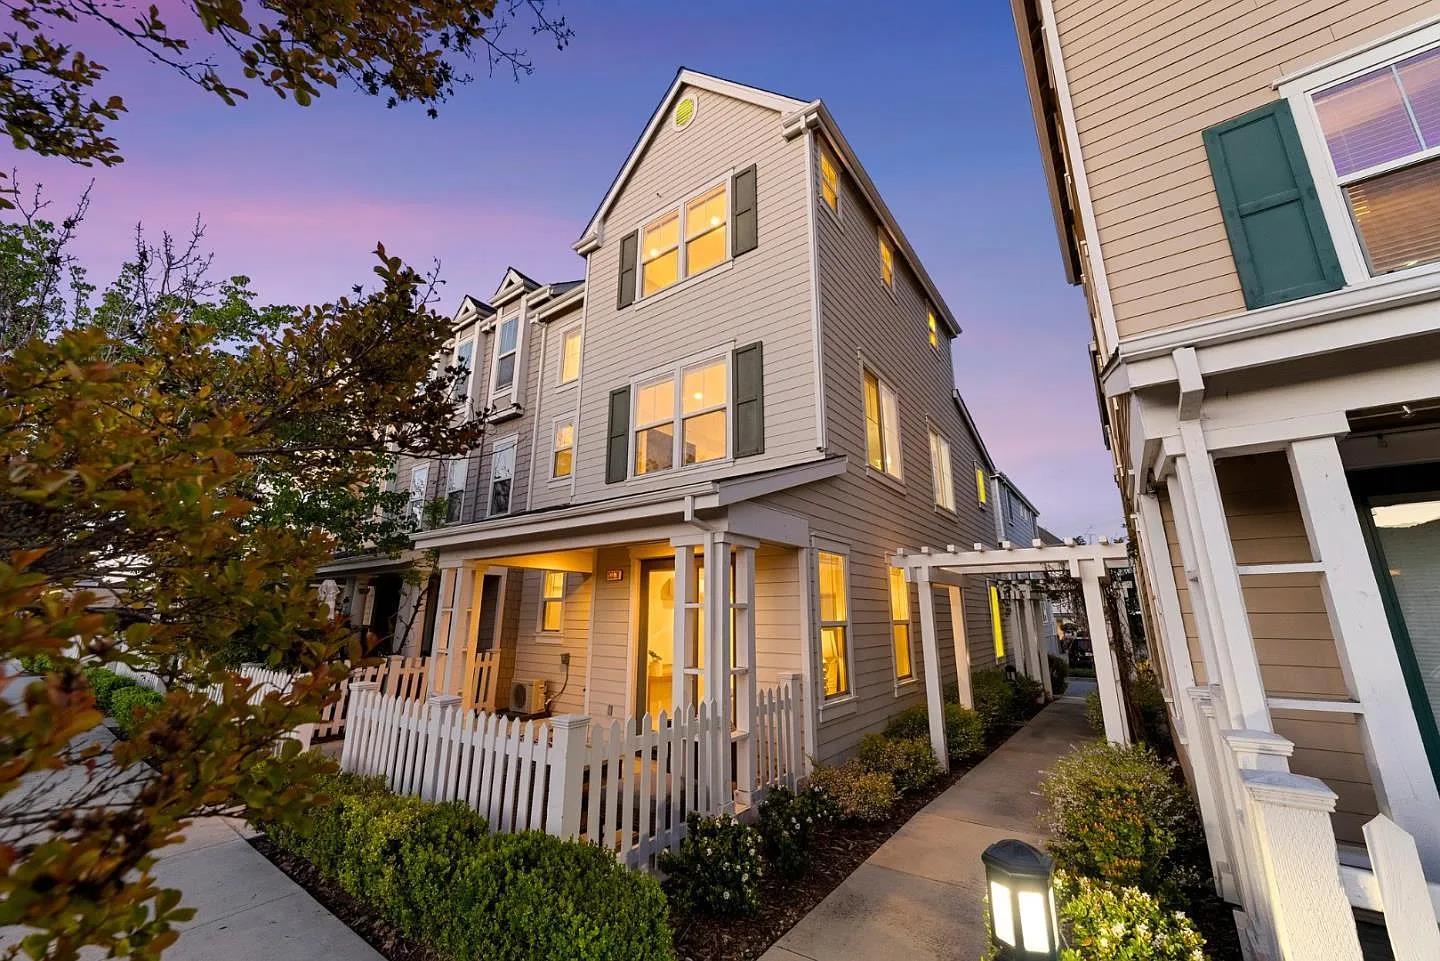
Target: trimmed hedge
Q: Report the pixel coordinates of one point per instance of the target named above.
(909, 761)
(130, 706)
(995, 701)
(37, 664)
(964, 734)
(103, 684)
(1059, 674)
(859, 794)
(436, 873)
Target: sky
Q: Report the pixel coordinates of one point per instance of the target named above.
(930, 95)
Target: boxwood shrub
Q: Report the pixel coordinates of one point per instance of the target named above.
(964, 734)
(103, 684)
(995, 702)
(130, 705)
(910, 761)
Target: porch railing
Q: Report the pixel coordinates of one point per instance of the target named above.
(403, 677)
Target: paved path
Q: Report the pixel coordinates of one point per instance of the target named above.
(921, 895)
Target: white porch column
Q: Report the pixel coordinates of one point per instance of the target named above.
(1405, 783)
(1107, 677)
(444, 622)
(805, 579)
(1038, 652)
(962, 644)
(462, 630)
(743, 605)
(930, 652)
(687, 622)
(717, 625)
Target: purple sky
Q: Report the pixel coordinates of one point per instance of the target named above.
(932, 100)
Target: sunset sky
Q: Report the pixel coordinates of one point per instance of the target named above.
(932, 99)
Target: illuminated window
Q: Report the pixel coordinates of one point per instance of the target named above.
(563, 460)
(887, 263)
(552, 601)
(980, 483)
(940, 471)
(691, 430)
(660, 265)
(705, 244)
(995, 622)
(900, 624)
(570, 356)
(834, 624)
(655, 426)
(829, 181)
(933, 330)
(703, 418)
(882, 426)
(454, 488)
(685, 241)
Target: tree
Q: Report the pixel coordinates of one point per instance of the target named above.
(140, 527)
(408, 51)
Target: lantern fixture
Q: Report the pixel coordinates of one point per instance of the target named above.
(1022, 901)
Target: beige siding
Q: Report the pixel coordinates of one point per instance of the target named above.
(548, 401)
(1146, 78)
(612, 637)
(537, 654)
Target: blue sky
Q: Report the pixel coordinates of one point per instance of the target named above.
(930, 95)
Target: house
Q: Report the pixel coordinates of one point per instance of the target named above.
(1249, 196)
(755, 367)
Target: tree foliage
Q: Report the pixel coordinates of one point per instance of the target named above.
(141, 526)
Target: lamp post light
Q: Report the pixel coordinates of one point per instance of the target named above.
(1022, 901)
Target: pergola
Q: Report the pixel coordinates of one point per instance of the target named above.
(1090, 564)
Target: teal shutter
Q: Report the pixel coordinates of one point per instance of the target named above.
(1277, 230)
(745, 233)
(747, 369)
(617, 442)
(629, 249)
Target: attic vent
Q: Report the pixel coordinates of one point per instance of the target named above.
(685, 111)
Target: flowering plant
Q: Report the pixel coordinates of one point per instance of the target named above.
(788, 823)
(1115, 923)
(717, 868)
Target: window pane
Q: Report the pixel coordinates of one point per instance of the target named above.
(705, 251)
(829, 181)
(934, 330)
(564, 462)
(464, 355)
(703, 437)
(455, 474)
(661, 236)
(1409, 534)
(1365, 122)
(890, 419)
(980, 483)
(509, 330)
(570, 357)
(901, 637)
(940, 471)
(833, 606)
(551, 618)
(505, 372)
(662, 272)
(565, 435)
(832, 656)
(705, 212)
(703, 387)
(656, 402)
(887, 263)
(564, 450)
(554, 585)
(1398, 217)
(874, 448)
(899, 596)
(500, 497)
(655, 449)
(1420, 76)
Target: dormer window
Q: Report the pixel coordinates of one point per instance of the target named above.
(507, 348)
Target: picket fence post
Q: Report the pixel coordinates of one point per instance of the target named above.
(567, 772)
(798, 763)
(352, 750)
(1409, 912)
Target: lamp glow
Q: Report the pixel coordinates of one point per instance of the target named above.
(1022, 904)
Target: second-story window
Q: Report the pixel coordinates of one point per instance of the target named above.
(882, 426)
(940, 471)
(570, 356)
(693, 430)
(563, 459)
(887, 262)
(703, 404)
(655, 426)
(685, 241)
(705, 244)
(419, 481)
(660, 265)
(507, 349)
(454, 489)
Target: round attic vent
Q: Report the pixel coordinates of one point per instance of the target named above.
(685, 111)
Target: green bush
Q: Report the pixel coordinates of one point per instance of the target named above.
(910, 761)
(716, 870)
(859, 795)
(1105, 923)
(964, 734)
(788, 824)
(1059, 674)
(103, 684)
(1118, 814)
(37, 664)
(130, 706)
(911, 722)
(1028, 694)
(1154, 715)
(1095, 713)
(995, 702)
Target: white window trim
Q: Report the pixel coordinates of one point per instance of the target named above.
(1300, 89)
(676, 372)
(977, 471)
(882, 236)
(505, 443)
(902, 684)
(554, 426)
(682, 271)
(824, 151)
(841, 704)
(512, 391)
(560, 382)
(933, 433)
(417, 509)
(540, 631)
(464, 461)
(473, 340)
(898, 478)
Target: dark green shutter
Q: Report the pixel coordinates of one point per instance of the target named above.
(745, 235)
(617, 443)
(1277, 230)
(629, 249)
(748, 371)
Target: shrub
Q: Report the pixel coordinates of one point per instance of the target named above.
(37, 664)
(788, 822)
(1150, 702)
(859, 795)
(964, 734)
(1059, 674)
(1028, 694)
(1107, 923)
(994, 697)
(910, 761)
(103, 684)
(1094, 713)
(130, 706)
(716, 870)
(1117, 814)
(911, 722)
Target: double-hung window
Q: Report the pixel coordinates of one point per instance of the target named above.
(981, 495)
(552, 601)
(940, 471)
(887, 262)
(705, 244)
(694, 430)
(454, 488)
(570, 356)
(834, 624)
(900, 625)
(464, 362)
(932, 329)
(655, 426)
(419, 481)
(667, 257)
(502, 477)
(562, 460)
(507, 351)
(829, 181)
(882, 426)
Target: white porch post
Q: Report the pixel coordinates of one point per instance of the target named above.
(717, 650)
(462, 632)
(1037, 650)
(962, 644)
(1107, 676)
(744, 671)
(804, 563)
(930, 651)
(686, 627)
(1364, 643)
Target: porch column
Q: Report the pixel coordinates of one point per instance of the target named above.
(440, 644)
(462, 632)
(1032, 631)
(1365, 645)
(1107, 677)
(805, 579)
(930, 651)
(744, 671)
(687, 619)
(962, 643)
(717, 626)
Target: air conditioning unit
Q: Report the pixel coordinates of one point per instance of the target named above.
(527, 697)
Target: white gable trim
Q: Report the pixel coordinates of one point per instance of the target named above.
(592, 238)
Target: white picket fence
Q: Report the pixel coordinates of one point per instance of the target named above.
(625, 786)
(405, 677)
(143, 678)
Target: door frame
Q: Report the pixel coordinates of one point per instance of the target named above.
(640, 643)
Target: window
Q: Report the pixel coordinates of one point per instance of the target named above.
(940, 471)
(1382, 133)
(705, 231)
(882, 426)
(563, 460)
(570, 356)
(454, 488)
(507, 348)
(701, 429)
(980, 484)
(887, 263)
(829, 181)
(655, 426)
(834, 624)
(552, 601)
(419, 481)
(900, 625)
(703, 400)
(502, 475)
(934, 330)
(995, 622)
(660, 265)
(463, 361)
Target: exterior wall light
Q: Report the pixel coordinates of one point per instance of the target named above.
(1022, 901)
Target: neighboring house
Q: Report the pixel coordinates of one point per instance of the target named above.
(756, 365)
(1250, 196)
(1016, 519)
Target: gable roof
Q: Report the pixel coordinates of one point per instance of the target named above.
(512, 279)
(974, 431)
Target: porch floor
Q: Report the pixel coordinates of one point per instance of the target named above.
(922, 894)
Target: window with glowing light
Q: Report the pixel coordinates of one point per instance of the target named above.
(705, 244)
(693, 428)
(552, 602)
(900, 625)
(570, 356)
(834, 623)
(829, 181)
(882, 426)
(563, 458)
(685, 241)
(887, 263)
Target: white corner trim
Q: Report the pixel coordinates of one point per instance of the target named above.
(817, 357)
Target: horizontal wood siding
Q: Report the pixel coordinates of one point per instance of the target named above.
(611, 633)
(1146, 77)
(537, 654)
(549, 401)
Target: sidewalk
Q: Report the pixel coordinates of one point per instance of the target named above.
(922, 894)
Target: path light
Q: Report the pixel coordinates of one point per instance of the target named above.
(1022, 902)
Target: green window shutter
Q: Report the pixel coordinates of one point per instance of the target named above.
(629, 249)
(747, 369)
(617, 443)
(745, 234)
(1277, 230)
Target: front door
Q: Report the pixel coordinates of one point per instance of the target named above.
(655, 664)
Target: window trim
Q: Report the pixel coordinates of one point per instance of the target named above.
(678, 209)
(546, 601)
(826, 154)
(935, 479)
(1300, 90)
(555, 423)
(849, 696)
(898, 477)
(512, 389)
(572, 330)
(901, 681)
(463, 462)
(510, 443)
(885, 245)
(676, 374)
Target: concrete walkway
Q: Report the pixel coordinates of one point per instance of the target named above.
(922, 894)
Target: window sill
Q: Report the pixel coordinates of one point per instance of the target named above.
(889, 480)
(678, 286)
(549, 637)
(509, 413)
(843, 706)
(903, 685)
(680, 471)
(947, 511)
(558, 481)
(567, 386)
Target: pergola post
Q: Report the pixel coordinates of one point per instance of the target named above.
(930, 651)
(1107, 675)
(962, 644)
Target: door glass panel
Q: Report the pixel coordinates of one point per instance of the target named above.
(1409, 535)
(659, 639)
